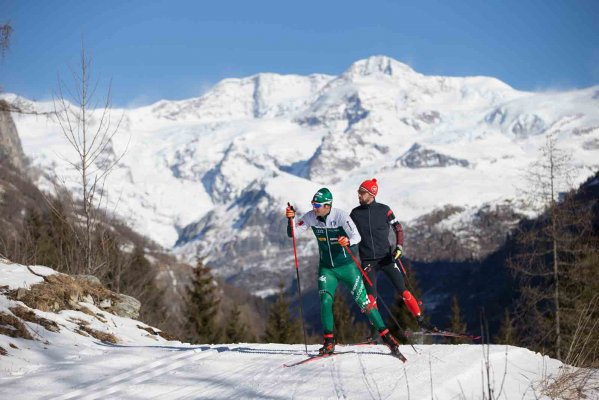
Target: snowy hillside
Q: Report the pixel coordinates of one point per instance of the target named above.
(211, 175)
(61, 361)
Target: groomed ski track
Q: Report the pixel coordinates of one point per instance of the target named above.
(255, 371)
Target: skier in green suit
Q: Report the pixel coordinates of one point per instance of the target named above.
(336, 232)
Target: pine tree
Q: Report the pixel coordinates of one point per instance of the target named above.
(506, 334)
(203, 306)
(347, 330)
(281, 328)
(236, 330)
(457, 323)
(136, 275)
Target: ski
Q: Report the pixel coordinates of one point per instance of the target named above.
(364, 343)
(442, 333)
(396, 354)
(311, 358)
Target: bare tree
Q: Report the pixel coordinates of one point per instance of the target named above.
(88, 127)
(552, 255)
(549, 174)
(5, 33)
(17, 105)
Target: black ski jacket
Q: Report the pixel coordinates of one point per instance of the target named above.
(374, 222)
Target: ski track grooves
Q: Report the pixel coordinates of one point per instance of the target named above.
(336, 377)
(137, 375)
(212, 388)
(367, 381)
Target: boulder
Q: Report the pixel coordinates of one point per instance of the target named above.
(126, 306)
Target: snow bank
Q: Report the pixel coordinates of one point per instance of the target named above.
(69, 364)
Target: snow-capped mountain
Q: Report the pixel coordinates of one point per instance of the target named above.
(210, 176)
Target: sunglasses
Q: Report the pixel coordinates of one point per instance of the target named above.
(318, 205)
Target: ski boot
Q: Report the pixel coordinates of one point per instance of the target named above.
(373, 337)
(424, 325)
(393, 344)
(328, 347)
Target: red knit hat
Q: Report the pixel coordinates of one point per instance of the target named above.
(370, 186)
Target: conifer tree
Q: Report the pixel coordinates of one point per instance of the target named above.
(281, 328)
(506, 334)
(203, 306)
(236, 330)
(457, 323)
(136, 275)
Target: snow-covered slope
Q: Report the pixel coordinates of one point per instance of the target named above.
(67, 364)
(211, 175)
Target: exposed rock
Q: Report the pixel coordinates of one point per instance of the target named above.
(126, 306)
(460, 234)
(528, 125)
(420, 157)
(21, 293)
(10, 144)
(90, 279)
(105, 303)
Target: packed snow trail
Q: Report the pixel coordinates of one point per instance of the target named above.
(69, 365)
(256, 371)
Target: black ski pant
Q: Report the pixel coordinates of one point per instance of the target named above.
(389, 267)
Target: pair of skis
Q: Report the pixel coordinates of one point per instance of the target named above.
(315, 357)
(397, 355)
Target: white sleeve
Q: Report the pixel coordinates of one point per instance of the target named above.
(304, 222)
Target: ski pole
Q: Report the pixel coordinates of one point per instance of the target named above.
(358, 264)
(397, 323)
(299, 287)
(403, 269)
(405, 274)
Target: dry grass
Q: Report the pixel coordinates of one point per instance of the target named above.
(13, 327)
(89, 312)
(60, 292)
(30, 316)
(102, 336)
(158, 332)
(85, 330)
(3, 351)
(573, 384)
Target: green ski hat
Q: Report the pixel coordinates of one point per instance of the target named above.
(323, 195)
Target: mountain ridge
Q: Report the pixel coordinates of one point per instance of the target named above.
(192, 164)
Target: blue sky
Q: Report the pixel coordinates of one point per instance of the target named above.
(177, 49)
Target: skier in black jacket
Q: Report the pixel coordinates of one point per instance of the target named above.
(374, 220)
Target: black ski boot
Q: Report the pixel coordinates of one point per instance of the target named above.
(328, 346)
(425, 326)
(393, 344)
(373, 337)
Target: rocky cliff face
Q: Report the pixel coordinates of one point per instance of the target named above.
(10, 144)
